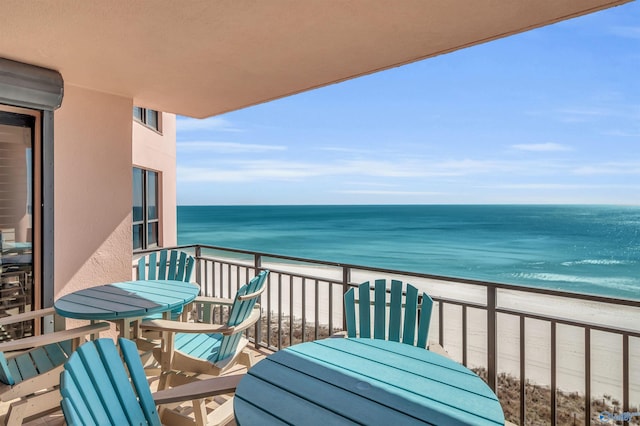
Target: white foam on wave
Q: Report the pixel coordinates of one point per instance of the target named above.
(597, 262)
(609, 282)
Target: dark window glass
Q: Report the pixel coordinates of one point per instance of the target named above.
(152, 236)
(138, 113)
(138, 191)
(137, 237)
(152, 195)
(152, 119)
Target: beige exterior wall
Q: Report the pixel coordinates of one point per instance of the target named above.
(157, 151)
(92, 189)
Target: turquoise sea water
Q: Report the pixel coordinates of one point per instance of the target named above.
(587, 249)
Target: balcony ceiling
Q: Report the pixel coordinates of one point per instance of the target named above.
(205, 57)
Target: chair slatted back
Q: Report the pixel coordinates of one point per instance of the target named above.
(408, 320)
(96, 388)
(240, 311)
(33, 363)
(170, 265)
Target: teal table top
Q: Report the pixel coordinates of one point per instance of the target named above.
(363, 381)
(129, 299)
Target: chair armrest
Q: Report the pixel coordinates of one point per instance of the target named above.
(213, 301)
(249, 322)
(49, 338)
(252, 295)
(27, 316)
(181, 327)
(198, 389)
(190, 327)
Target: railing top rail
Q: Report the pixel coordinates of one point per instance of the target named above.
(457, 280)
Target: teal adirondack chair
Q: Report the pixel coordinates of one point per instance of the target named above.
(30, 367)
(408, 320)
(166, 265)
(202, 348)
(97, 389)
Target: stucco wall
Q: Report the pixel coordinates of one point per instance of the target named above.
(155, 151)
(92, 189)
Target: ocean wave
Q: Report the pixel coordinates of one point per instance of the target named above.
(609, 282)
(597, 262)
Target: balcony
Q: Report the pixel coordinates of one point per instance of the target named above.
(552, 357)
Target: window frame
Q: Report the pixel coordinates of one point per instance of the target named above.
(146, 220)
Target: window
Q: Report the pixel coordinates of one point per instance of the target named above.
(148, 117)
(146, 221)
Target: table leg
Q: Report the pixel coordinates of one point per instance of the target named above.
(129, 328)
(123, 325)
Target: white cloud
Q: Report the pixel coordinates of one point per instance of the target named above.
(544, 186)
(343, 149)
(561, 186)
(185, 124)
(609, 169)
(622, 133)
(226, 147)
(251, 170)
(248, 171)
(626, 31)
(542, 147)
(383, 192)
(590, 112)
(361, 183)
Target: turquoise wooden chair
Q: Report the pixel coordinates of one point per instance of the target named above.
(203, 348)
(30, 367)
(167, 265)
(408, 320)
(97, 389)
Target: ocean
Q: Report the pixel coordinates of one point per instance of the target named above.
(577, 248)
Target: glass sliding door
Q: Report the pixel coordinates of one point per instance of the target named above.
(18, 159)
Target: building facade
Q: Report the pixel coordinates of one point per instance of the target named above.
(86, 197)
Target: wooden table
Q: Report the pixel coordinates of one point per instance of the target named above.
(126, 302)
(363, 381)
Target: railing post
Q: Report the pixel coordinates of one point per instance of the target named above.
(491, 338)
(198, 254)
(346, 279)
(257, 263)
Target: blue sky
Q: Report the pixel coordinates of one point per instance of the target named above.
(547, 116)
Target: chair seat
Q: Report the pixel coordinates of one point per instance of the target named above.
(204, 353)
(201, 346)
